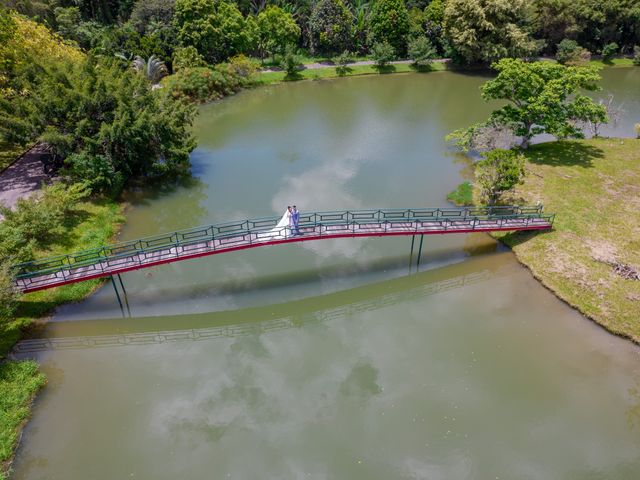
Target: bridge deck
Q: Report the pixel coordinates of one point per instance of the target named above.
(189, 244)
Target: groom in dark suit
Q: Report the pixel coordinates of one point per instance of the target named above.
(295, 216)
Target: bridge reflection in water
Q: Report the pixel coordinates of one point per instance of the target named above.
(265, 319)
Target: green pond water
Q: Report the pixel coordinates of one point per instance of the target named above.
(333, 359)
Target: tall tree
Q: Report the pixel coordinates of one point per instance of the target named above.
(542, 97)
(487, 30)
(555, 20)
(216, 28)
(330, 27)
(277, 29)
(390, 23)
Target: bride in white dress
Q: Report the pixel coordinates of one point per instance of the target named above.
(281, 230)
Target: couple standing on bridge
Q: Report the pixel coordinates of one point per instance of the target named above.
(288, 224)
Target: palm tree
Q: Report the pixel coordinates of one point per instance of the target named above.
(153, 69)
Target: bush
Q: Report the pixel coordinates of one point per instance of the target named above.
(636, 55)
(187, 57)
(290, 62)
(38, 220)
(382, 53)
(421, 51)
(341, 62)
(204, 84)
(462, 196)
(498, 172)
(242, 66)
(609, 50)
(570, 53)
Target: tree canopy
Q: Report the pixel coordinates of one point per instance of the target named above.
(330, 26)
(541, 97)
(390, 23)
(277, 29)
(216, 28)
(482, 31)
(107, 123)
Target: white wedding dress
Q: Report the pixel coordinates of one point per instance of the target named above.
(281, 231)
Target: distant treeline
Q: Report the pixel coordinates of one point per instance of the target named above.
(468, 31)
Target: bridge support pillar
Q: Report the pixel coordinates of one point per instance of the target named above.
(115, 289)
(124, 291)
(413, 240)
(420, 251)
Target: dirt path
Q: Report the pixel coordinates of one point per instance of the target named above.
(22, 178)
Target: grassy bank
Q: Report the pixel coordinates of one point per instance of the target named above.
(594, 187)
(19, 382)
(266, 78)
(92, 224)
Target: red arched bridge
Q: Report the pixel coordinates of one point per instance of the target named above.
(147, 252)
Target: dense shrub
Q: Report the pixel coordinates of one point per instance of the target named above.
(203, 84)
(241, 66)
(36, 221)
(636, 55)
(498, 172)
(421, 51)
(290, 62)
(609, 51)
(382, 54)
(187, 57)
(570, 53)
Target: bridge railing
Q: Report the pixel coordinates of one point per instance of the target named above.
(226, 235)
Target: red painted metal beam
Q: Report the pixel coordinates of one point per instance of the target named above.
(276, 242)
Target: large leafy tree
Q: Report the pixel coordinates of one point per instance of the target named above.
(482, 31)
(330, 27)
(216, 28)
(555, 20)
(23, 42)
(592, 23)
(107, 124)
(146, 12)
(277, 29)
(390, 23)
(542, 97)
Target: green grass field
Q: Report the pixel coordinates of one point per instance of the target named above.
(594, 188)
